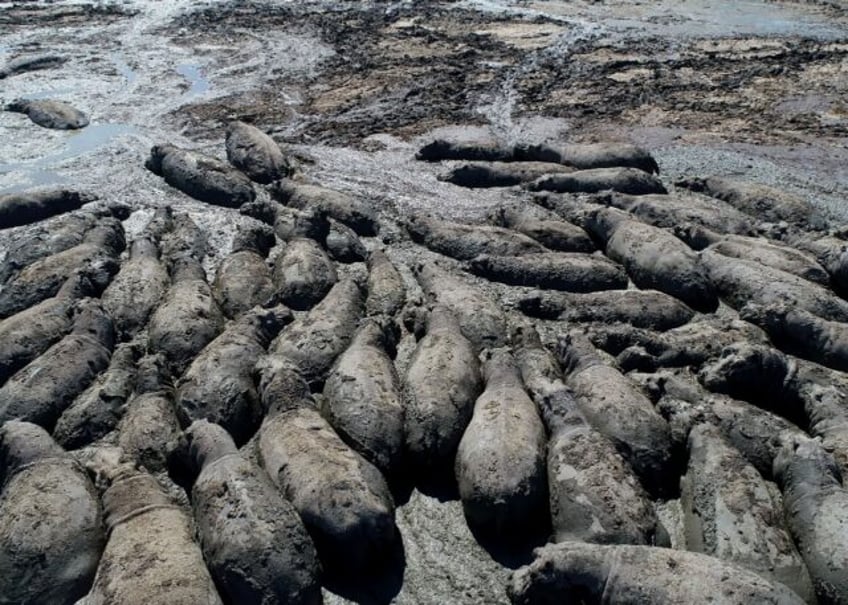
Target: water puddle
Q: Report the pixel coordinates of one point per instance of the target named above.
(198, 84)
(128, 73)
(35, 178)
(50, 94)
(43, 170)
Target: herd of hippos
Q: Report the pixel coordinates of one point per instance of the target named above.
(275, 386)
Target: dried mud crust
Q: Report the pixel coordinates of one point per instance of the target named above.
(29, 14)
(407, 70)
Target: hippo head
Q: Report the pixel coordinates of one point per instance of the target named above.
(23, 443)
(157, 154)
(208, 442)
(433, 151)
(805, 464)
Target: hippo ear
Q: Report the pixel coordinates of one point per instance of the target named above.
(414, 318)
(786, 443)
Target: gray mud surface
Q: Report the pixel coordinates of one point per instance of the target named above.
(752, 89)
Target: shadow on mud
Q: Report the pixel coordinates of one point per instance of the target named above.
(513, 549)
(376, 585)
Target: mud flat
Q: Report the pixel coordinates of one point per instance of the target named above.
(751, 91)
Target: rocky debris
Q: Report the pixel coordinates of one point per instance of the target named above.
(255, 153)
(50, 114)
(18, 209)
(51, 522)
(202, 177)
(639, 574)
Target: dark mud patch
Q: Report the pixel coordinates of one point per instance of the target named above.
(395, 69)
(28, 14)
(404, 71)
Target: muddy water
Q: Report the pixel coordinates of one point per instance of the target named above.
(135, 75)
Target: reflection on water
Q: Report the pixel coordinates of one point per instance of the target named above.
(129, 74)
(193, 73)
(36, 178)
(43, 170)
(80, 142)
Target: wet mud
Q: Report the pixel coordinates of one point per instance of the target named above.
(751, 91)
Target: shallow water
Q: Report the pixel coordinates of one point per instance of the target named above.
(198, 84)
